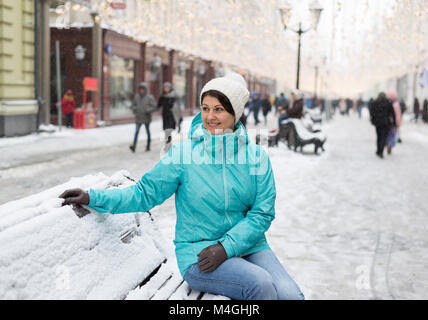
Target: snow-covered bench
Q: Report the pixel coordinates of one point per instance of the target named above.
(296, 134)
(48, 252)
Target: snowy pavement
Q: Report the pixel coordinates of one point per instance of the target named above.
(348, 224)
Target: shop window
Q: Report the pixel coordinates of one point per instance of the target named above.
(180, 87)
(122, 86)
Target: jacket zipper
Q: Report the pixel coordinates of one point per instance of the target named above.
(225, 184)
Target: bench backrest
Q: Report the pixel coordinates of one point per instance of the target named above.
(301, 130)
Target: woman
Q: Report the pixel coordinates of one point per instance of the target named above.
(225, 201)
(166, 102)
(296, 108)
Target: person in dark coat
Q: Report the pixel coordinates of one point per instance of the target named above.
(296, 109)
(255, 105)
(166, 103)
(416, 109)
(425, 111)
(382, 116)
(266, 107)
(142, 107)
(360, 105)
(403, 106)
(349, 105)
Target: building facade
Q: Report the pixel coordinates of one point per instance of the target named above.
(18, 104)
(29, 33)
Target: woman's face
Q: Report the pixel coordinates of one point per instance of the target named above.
(215, 117)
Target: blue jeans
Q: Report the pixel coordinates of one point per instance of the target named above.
(137, 131)
(258, 276)
(256, 115)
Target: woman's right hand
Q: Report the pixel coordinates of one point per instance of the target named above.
(75, 196)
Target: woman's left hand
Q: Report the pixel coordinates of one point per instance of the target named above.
(211, 257)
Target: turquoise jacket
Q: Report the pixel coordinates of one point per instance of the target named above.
(224, 192)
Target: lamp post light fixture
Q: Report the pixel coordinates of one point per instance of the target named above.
(157, 62)
(201, 70)
(285, 12)
(182, 66)
(155, 68)
(79, 52)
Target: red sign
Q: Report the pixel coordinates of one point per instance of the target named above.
(90, 84)
(118, 5)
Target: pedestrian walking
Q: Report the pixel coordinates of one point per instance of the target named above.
(416, 109)
(143, 106)
(403, 109)
(349, 104)
(68, 106)
(382, 116)
(394, 130)
(166, 102)
(360, 105)
(224, 205)
(266, 107)
(255, 105)
(322, 105)
(342, 107)
(403, 106)
(178, 117)
(425, 111)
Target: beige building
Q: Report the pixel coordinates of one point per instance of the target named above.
(18, 106)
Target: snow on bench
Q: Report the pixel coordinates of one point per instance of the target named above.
(299, 136)
(302, 131)
(48, 252)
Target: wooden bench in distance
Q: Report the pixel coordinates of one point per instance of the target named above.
(294, 132)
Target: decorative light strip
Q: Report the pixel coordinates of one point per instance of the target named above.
(357, 43)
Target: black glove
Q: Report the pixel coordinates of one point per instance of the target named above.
(211, 257)
(75, 196)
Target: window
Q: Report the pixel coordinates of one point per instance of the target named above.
(122, 86)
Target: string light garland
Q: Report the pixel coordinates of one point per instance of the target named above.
(357, 43)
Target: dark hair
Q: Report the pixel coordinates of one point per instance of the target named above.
(225, 102)
(381, 96)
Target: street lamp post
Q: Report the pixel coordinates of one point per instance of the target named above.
(285, 12)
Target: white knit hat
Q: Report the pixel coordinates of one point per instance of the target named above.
(234, 87)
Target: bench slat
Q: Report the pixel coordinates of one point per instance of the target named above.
(169, 288)
(151, 285)
(181, 293)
